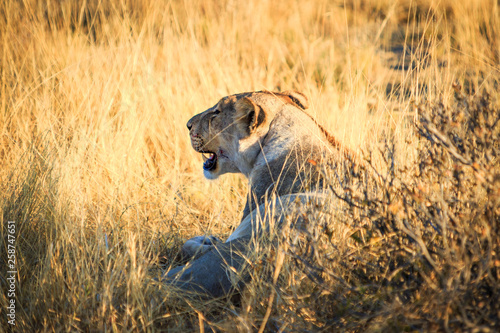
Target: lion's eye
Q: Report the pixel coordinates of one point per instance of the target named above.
(214, 114)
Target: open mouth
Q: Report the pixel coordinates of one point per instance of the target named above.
(210, 161)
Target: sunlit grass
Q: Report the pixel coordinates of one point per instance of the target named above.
(96, 166)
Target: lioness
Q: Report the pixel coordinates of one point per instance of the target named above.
(270, 139)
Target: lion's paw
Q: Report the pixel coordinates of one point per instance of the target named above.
(198, 245)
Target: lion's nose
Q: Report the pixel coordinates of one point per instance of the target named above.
(192, 121)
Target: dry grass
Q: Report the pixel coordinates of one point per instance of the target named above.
(98, 174)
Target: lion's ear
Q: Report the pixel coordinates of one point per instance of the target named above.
(249, 116)
(298, 98)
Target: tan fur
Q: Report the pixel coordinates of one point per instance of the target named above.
(270, 139)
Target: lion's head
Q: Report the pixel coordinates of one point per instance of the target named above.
(229, 133)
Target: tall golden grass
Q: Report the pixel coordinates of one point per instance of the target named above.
(96, 166)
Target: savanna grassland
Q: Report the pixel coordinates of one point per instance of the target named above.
(99, 178)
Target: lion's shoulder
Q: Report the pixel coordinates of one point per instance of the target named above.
(293, 156)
